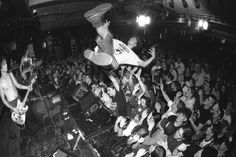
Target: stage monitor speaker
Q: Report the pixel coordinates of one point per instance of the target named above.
(88, 101)
(42, 107)
(98, 114)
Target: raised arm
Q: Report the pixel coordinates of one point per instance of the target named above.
(152, 51)
(166, 97)
(114, 81)
(131, 76)
(20, 86)
(196, 127)
(142, 86)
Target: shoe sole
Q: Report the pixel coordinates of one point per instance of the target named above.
(98, 9)
(101, 59)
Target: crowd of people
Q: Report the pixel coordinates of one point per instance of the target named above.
(172, 106)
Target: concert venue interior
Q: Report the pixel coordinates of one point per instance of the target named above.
(182, 103)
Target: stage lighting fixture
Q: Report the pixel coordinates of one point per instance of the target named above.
(205, 25)
(34, 11)
(185, 4)
(189, 22)
(197, 4)
(181, 20)
(143, 20)
(200, 23)
(171, 4)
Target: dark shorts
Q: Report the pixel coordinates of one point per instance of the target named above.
(106, 44)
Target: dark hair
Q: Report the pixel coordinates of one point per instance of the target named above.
(213, 97)
(140, 130)
(159, 151)
(177, 85)
(181, 104)
(187, 132)
(185, 111)
(169, 75)
(209, 151)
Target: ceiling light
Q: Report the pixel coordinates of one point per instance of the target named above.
(181, 20)
(34, 11)
(200, 23)
(205, 25)
(143, 20)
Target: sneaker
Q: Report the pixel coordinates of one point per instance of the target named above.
(101, 59)
(98, 11)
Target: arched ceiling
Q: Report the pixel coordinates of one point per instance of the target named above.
(56, 14)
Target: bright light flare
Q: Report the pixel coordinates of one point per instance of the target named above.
(143, 20)
(205, 25)
(200, 23)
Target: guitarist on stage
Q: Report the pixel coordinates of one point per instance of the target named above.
(10, 133)
(8, 85)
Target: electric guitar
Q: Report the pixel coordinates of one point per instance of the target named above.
(19, 118)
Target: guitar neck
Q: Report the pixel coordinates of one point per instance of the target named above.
(25, 98)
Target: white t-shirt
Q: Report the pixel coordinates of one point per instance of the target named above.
(123, 54)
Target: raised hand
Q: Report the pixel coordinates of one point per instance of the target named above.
(107, 23)
(129, 68)
(183, 147)
(144, 113)
(178, 94)
(122, 67)
(161, 85)
(137, 75)
(152, 51)
(163, 143)
(133, 70)
(136, 88)
(30, 88)
(141, 152)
